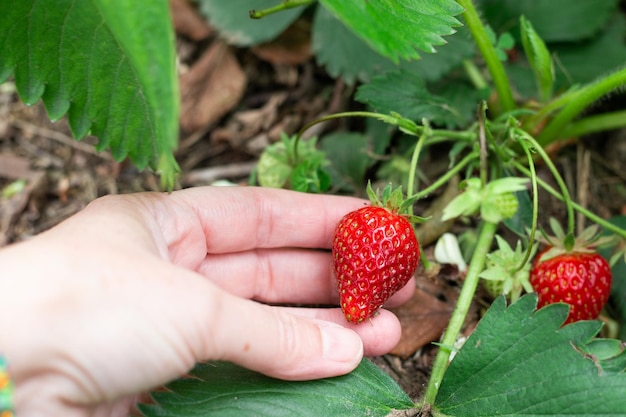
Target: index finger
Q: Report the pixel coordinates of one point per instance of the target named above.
(242, 218)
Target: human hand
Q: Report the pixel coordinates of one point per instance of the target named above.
(132, 291)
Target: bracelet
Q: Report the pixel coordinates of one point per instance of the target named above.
(6, 390)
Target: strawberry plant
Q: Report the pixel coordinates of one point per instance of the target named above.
(509, 83)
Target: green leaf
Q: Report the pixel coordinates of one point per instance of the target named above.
(506, 185)
(608, 353)
(378, 134)
(588, 60)
(501, 44)
(109, 65)
(279, 165)
(580, 62)
(432, 67)
(223, 390)
(461, 98)
(398, 28)
(309, 177)
(405, 93)
(275, 165)
(539, 58)
(349, 159)
(505, 41)
(554, 20)
(465, 204)
(343, 53)
(523, 363)
(604, 349)
(396, 169)
(232, 20)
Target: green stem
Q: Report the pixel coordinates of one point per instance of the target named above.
(474, 74)
(476, 266)
(486, 48)
(435, 139)
(497, 148)
(373, 115)
(382, 117)
(396, 120)
(413, 169)
(578, 103)
(533, 229)
(557, 177)
(482, 110)
(426, 263)
(598, 123)
(533, 122)
(442, 135)
(588, 214)
(445, 178)
(284, 5)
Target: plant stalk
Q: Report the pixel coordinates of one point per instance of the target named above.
(393, 120)
(474, 74)
(477, 264)
(533, 124)
(284, 5)
(597, 123)
(571, 220)
(578, 103)
(414, 159)
(445, 178)
(482, 139)
(435, 136)
(488, 51)
(533, 228)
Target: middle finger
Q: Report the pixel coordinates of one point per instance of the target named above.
(281, 276)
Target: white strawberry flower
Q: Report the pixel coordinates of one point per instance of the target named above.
(447, 251)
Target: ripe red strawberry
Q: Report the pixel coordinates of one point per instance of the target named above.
(579, 277)
(375, 253)
(582, 280)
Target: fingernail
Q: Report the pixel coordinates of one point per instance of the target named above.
(341, 345)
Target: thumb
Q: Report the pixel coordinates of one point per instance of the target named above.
(276, 343)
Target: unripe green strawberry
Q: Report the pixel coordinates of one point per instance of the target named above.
(375, 253)
(507, 204)
(495, 288)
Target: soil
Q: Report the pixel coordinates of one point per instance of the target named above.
(235, 102)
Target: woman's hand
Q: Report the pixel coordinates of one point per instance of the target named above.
(134, 290)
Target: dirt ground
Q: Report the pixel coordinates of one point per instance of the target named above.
(234, 103)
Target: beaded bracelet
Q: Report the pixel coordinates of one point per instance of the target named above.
(6, 391)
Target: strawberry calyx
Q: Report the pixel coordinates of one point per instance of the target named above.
(495, 201)
(503, 275)
(393, 200)
(560, 243)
